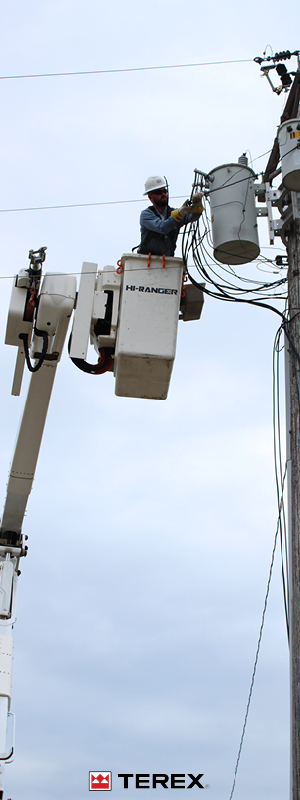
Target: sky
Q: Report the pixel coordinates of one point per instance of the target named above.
(150, 524)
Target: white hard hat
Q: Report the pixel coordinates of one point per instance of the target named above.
(155, 182)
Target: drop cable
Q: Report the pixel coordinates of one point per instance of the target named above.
(259, 638)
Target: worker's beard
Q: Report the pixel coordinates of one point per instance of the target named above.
(161, 202)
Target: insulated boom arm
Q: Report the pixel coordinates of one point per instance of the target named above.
(35, 317)
(26, 451)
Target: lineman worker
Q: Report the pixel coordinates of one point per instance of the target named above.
(160, 223)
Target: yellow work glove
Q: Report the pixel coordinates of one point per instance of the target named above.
(197, 202)
(193, 206)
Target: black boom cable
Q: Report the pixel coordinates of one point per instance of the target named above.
(41, 357)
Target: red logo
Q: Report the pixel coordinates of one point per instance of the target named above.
(100, 782)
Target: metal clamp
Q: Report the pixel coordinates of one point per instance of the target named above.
(37, 258)
(207, 177)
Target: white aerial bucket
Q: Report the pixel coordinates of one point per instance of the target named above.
(289, 148)
(147, 327)
(233, 213)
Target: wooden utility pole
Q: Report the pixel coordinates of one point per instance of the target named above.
(294, 534)
(292, 232)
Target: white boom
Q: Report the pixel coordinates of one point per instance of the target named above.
(56, 302)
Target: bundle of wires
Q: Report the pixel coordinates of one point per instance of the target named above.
(222, 281)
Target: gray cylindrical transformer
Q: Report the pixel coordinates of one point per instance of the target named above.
(289, 148)
(233, 214)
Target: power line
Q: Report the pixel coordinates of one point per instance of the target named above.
(102, 203)
(126, 69)
(263, 154)
(70, 205)
(107, 202)
(81, 205)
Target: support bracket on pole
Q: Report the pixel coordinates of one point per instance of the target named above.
(289, 208)
(275, 225)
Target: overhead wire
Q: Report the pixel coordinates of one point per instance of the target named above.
(72, 205)
(81, 205)
(110, 202)
(123, 69)
(101, 203)
(78, 272)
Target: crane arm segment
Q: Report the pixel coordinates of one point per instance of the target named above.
(47, 325)
(56, 303)
(26, 451)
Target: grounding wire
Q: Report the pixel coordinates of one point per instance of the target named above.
(286, 330)
(279, 475)
(283, 556)
(259, 643)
